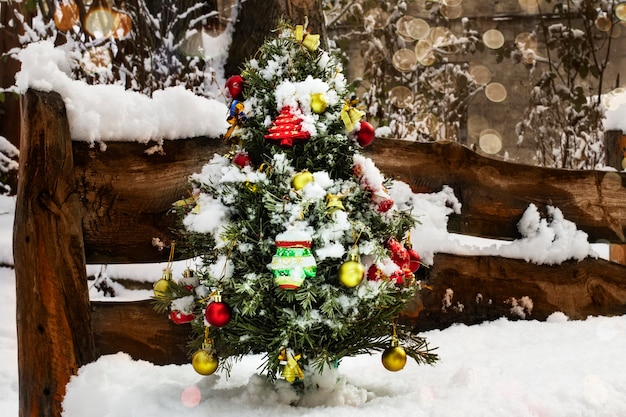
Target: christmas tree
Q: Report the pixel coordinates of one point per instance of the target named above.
(303, 255)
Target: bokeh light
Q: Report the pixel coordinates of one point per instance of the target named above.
(401, 97)
(427, 123)
(620, 11)
(122, 24)
(425, 53)
(99, 22)
(496, 92)
(440, 36)
(602, 22)
(404, 60)
(191, 396)
(66, 15)
(481, 74)
(418, 29)
(403, 28)
(493, 39)
(490, 141)
(452, 12)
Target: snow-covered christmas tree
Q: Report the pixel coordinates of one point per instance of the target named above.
(302, 253)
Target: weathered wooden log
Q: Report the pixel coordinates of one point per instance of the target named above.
(137, 329)
(127, 192)
(615, 148)
(53, 319)
(460, 289)
(473, 289)
(495, 194)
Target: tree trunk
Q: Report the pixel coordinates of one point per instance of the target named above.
(10, 107)
(258, 18)
(53, 321)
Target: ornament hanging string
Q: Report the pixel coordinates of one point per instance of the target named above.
(171, 256)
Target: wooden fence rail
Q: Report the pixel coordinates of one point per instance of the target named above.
(77, 204)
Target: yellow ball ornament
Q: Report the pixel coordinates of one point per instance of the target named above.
(204, 362)
(351, 272)
(319, 103)
(394, 358)
(160, 287)
(301, 179)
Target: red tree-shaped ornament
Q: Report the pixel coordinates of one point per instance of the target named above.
(287, 128)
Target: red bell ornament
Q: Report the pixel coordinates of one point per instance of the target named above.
(365, 135)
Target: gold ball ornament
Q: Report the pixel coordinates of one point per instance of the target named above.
(204, 362)
(351, 272)
(301, 179)
(394, 358)
(160, 287)
(319, 103)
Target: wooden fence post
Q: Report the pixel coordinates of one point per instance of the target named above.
(615, 148)
(53, 312)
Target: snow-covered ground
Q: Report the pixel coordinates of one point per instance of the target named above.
(522, 368)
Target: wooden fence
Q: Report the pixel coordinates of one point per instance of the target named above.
(77, 204)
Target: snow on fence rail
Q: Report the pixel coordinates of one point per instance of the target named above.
(77, 204)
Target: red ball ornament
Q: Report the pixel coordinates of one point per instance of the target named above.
(218, 313)
(242, 159)
(365, 135)
(414, 260)
(234, 85)
(180, 318)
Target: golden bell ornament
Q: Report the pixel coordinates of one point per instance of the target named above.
(351, 272)
(394, 357)
(204, 362)
(333, 203)
(319, 103)
(311, 42)
(301, 179)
